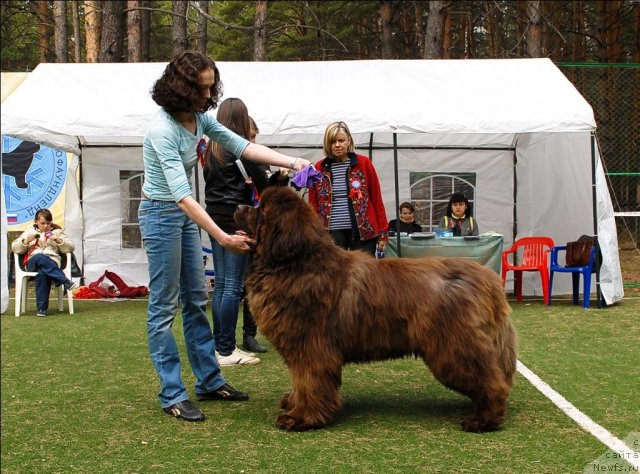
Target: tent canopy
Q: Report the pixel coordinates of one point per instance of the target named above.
(519, 126)
(441, 102)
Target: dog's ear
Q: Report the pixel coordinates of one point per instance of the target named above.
(288, 227)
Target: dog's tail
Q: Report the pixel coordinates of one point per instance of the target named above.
(506, 343)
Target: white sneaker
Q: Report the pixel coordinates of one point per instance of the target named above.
(245, 353)
(237, 357)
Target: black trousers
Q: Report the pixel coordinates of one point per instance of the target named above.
(349, 240)
(249, 327)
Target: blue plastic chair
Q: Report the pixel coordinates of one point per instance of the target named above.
(585, 271)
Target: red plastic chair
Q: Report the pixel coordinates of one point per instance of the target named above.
(533, 253)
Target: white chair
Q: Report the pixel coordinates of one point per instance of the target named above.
(22, 284)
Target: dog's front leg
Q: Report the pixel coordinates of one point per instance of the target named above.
(286, 402)
(314, 400)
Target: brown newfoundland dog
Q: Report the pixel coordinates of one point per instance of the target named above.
(322, 307)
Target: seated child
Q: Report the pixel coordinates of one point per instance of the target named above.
(41, 246)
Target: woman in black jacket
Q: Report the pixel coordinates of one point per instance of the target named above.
(230, 181)
(407, 223)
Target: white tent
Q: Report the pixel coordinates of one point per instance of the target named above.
(9, 81)
(519, 126)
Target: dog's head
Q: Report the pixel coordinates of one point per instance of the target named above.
(284, 226)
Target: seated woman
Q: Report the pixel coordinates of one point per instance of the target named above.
(459, 217)
(41, 246)
(407, 222)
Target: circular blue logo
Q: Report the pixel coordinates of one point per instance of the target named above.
(33, 177)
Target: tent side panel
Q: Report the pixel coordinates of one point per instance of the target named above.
(103, 189)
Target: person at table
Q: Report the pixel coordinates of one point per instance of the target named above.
(459, 217)
(407, 224)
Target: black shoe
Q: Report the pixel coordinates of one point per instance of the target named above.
(70, 285)
(226, 392)
(185, 410)
(250, 344)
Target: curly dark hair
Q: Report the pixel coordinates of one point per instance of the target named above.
(177, 90)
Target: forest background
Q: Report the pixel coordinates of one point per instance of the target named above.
(596, 43)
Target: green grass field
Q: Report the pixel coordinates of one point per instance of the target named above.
(79, 395)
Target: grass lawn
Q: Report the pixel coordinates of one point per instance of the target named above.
(79, 395)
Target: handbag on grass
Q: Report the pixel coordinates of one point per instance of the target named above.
(124, 290)
(579, 251)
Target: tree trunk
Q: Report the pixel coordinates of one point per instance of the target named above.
(636, 40)
(387, 32)
(112, 37)
(601, 28)
(461, 33)
(179, 27)
(614, 43)
(419, 27)
(470, 35)
(77, 38)
(435, 25)
(521, 24)
(145, 32)
(134, 32)
(407, 23)
(203, 23)
(534, 43)
(60, 31)
(446, 35)
(44, 34)
(92, 26)
(491, 30)
(260, 34)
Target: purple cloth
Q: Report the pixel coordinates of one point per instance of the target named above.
(306, 177)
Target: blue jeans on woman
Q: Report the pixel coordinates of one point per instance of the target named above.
(227, 295)
(176, 273)
(48, 271)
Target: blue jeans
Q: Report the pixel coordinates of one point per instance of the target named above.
(176, 273)
(227, 295)
(48, 271)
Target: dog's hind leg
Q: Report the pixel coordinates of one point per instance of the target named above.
(490, 403)
(314, 400)
(484, 382)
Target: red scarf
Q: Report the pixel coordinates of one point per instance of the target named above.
(25, 258)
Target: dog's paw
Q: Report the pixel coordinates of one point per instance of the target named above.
(287, 422)
(473, 425)
(286, 403)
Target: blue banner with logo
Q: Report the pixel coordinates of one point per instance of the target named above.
(33, 177)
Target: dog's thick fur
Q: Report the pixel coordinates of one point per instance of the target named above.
(322, 307)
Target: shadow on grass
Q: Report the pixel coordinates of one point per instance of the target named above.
(430, 409)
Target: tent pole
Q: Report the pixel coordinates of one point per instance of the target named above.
(397, 190)
(595, 218)
(515, 197)
(81, 197)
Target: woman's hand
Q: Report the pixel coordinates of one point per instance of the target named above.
(298, 164)
(237, 243)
